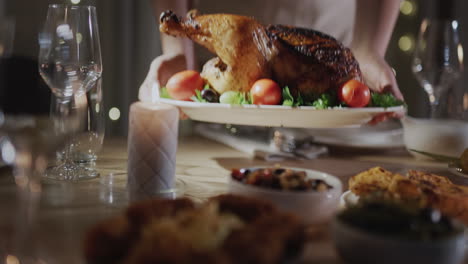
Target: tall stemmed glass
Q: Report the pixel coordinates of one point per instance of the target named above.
(70, 63)
(438, 59)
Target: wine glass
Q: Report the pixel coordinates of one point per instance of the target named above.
(438, 59)
(70, 63)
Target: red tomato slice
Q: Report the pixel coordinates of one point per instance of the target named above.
(265, 92)
(182, 85)
(354, 94)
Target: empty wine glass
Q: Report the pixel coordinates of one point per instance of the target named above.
(87, 143)
(438, 59)
(70, 63)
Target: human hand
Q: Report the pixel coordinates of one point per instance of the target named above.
(161, 69)
(379, 77)
(377, 74)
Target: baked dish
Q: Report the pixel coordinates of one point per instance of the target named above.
(280, 179)
(306, 60)
(225, 229)
(419, 188)
(267, 65)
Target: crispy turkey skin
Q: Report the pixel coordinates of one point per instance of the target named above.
(307, 61)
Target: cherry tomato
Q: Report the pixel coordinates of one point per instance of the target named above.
(265, 92)
(182, 85)
(354, 94)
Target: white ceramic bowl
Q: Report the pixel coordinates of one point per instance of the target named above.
(312, 206)
(438, 136)
(358, 246)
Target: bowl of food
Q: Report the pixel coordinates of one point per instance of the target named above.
(387, 232)
(312, 195)
(437, 136)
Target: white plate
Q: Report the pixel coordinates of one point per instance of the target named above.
(456, 170)
(278, 115)
(348, 198)
(385, 135)
(312, 206)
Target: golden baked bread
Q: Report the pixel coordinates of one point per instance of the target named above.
(424, 189)
(226, 229)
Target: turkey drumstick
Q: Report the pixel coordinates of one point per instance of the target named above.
(307, 61)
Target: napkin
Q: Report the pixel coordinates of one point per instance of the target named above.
(152, 145)
(259, 149)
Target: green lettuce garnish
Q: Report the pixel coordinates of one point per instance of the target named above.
(289, 100)
(384, 100)
(164, 93)
(324, 101)
(198, 96)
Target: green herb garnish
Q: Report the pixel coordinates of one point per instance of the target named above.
(385, 100)
(235, 98)
(164, 93)
(288, 99)
(198, 97)
(324, 101)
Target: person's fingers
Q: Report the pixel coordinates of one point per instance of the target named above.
(385, 116)
(378, 118)
(393, 89)
(169, 66)
(379, 76)
(182, 115)
(391, 86)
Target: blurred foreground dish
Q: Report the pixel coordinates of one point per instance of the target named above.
(386, 231)
(225, 229)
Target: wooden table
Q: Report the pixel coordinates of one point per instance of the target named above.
(67, 210)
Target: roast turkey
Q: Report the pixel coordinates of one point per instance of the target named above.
(305, 60)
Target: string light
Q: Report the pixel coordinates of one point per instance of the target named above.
(408, 8)
(460, 53)
(10, 259)
(75, 2)
(8, 152)
(406, 43)
(114, 114)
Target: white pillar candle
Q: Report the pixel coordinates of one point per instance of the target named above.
(152, 145)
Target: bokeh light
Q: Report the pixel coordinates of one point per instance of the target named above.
(114, 114)
(408, 8)
(460, 53)
(8, 152)
(10, 259)
(406, 43)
